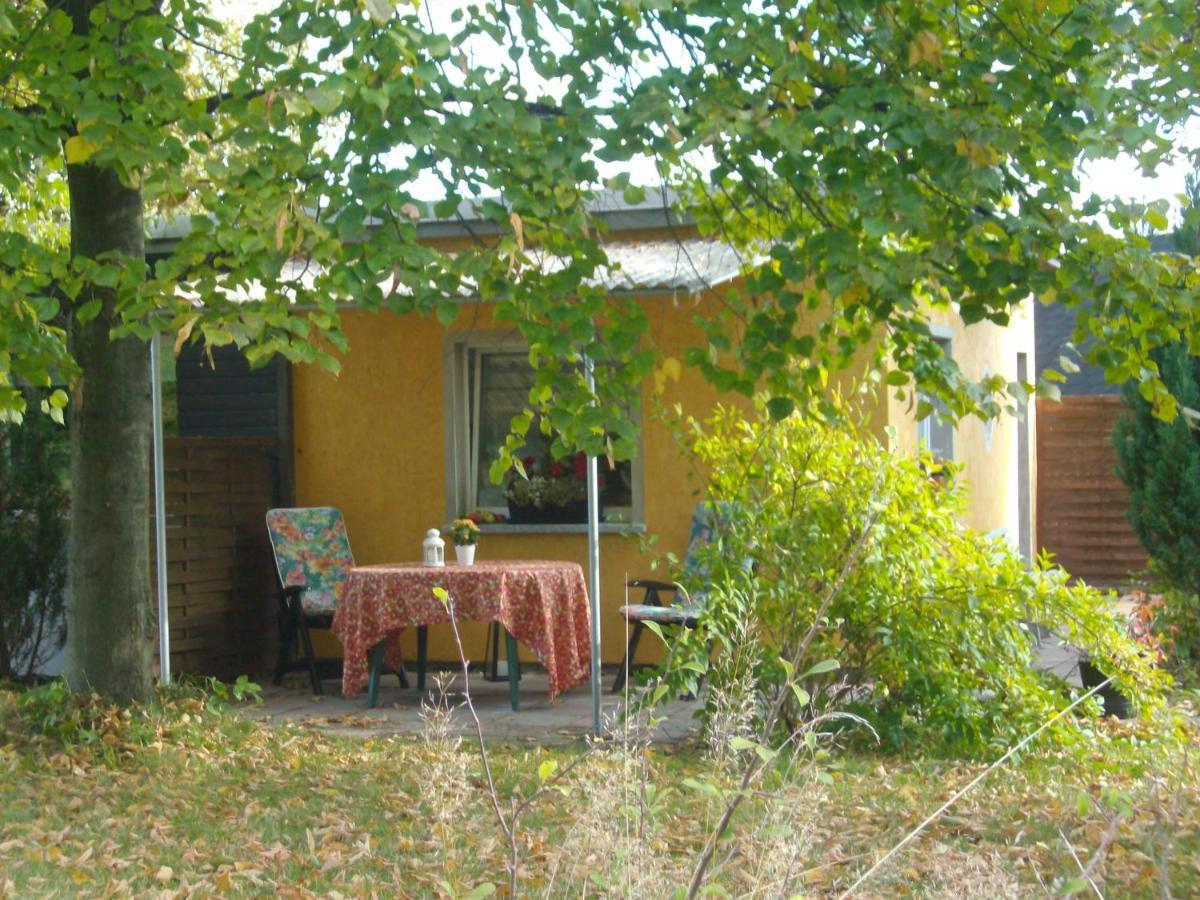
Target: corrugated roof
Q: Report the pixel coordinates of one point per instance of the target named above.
(688, 266)
(656, 210)
(1053, 325)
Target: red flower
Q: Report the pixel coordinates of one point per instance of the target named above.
(529, 462)
(581, 465)
(557, 469)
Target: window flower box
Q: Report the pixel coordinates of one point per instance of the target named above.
(549, 492)
(571, 513)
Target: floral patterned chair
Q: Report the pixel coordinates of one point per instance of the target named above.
(312, 556)
(684, 609)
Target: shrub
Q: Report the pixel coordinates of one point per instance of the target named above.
(1166, 620)
(1178, 625)
(1160, 464)
(34, 499)
(928, 621)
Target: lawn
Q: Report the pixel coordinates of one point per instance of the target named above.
(188, 800)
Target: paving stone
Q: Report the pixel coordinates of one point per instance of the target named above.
(565, 720)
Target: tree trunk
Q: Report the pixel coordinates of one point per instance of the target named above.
(6, 670)
(108, 587)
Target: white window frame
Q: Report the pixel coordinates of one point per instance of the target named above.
(460, 411)
(925, 425)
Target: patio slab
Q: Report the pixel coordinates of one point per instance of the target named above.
(565, 720)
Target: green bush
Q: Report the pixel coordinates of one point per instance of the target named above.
(1173, 624)
(34, 502)
(929, 622)
(1160, 464)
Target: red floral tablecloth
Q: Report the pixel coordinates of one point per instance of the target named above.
(542, 604)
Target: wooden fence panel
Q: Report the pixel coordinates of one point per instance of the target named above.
(1080, 501)
(220, 575)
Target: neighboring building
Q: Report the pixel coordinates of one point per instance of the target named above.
(1081, 504)
(400, 439)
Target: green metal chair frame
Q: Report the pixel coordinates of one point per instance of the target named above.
(513, 663)
(684, 609)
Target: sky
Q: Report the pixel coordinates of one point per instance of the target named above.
(1110, 178)
(1121, 178)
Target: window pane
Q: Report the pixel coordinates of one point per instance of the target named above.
(499, 387)
(941, 435)
(504, 383)
(616, 484)
(936, 431)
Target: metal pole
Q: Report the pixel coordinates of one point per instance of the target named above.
(593, 496)
(160, 516)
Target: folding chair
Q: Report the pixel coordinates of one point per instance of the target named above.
(312, 557)
(684, 609)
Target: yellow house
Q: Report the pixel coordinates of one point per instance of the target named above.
(399, 440)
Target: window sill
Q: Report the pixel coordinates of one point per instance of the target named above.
(553, 528)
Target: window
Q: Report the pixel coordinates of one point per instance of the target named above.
(488, 380)
(935, 432)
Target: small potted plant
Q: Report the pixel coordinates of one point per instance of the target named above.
(465, 534)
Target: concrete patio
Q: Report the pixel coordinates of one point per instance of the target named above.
(565, 720)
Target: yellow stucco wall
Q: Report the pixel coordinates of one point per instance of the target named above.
(989, 461)
(372, 441)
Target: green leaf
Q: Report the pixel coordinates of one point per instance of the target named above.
(702, 787)
(324, 99)
(45, 306)
(380, 10)
(766, 754)
(1083, 804)
(88, 310)
(1072, 887)
(825, 665)
(780, 407)
(447, 312)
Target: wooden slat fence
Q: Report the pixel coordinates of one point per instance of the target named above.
(1080, 501)
(220, 576)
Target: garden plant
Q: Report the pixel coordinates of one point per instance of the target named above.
(880, 161)
(924, 628)
(34, 505)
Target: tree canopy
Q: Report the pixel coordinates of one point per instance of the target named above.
(878, 159)
(885, 158)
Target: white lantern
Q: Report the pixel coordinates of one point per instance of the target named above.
(433, 549)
